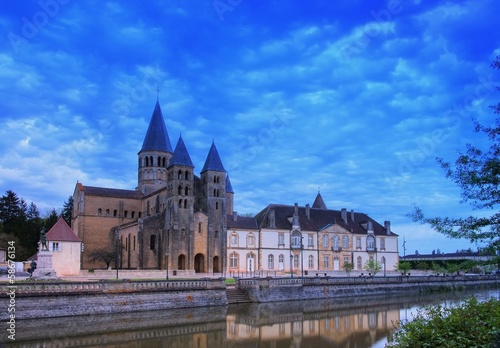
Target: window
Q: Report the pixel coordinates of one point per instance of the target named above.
(186, 191)
(325, 241)
(125, 213)
(281, 262)
(233, 260)
(326, 262)
(55, 246)
(346, 259)
(296, 261)
(358, 242)
(216, 234)
(186, 175)
(336, 243)
(359, 263)
(370, 243)
(310, 240)
(216, 205)
(311, 262)
(183, 233)
(270, 261)
(200, 227)
(115, 213)
(152, 242)
(281, 239)
(250, 239)
(382, 243)
(179, 190)
(296, 239)
(107, 212)
(345, 242)
(132, 215)
(134, 242)
(234, 239)
(99, 211)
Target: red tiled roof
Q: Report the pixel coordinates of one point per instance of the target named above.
(61, 232)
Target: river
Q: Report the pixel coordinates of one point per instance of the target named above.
(353, 323)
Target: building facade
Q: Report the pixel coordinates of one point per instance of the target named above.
(183, 222)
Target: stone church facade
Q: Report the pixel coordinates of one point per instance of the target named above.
(185, 223)
(172, 216)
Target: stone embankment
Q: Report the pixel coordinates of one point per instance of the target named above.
(42, 299)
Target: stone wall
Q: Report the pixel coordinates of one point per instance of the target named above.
(50, 299)
(286, 289)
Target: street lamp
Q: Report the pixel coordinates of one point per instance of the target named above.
(291, 264)
(166, 261)
(302, 257)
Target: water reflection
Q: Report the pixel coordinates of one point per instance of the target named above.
(354, 323)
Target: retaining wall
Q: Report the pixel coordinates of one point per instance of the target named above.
(285, 289)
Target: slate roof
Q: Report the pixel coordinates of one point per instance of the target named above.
(181, 155)
(213, 161)
(229, 187)
(109, 192)
(243, 222)
(61, 232)
(319, 219)
(156, 138)
(319, 202)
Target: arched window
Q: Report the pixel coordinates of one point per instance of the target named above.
(139, 215)
(164, 162)
(359, 263)
(216, 234)
(215, 179)
(216, 205)
(179, 190)
(335, 243)
(179, 175)
(159, 161)
(215, 193)
(296, 239)
(185, 204)
(151, 161)
(234, 239)
(370, 243)
(180, 203)
(152, 242)
(99, 211)
(200, 227)
(132, 215)
(186, 175)
(125, 213)
(186, 191)
(270, 261)
(115, 213)
(147, 161)
(107, 212)
(311, 262)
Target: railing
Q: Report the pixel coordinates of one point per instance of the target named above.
(103, 286)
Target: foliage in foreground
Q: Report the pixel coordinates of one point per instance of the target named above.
(471, 324)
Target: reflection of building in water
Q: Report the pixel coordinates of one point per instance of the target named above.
(345, 328)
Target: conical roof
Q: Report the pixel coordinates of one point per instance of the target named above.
(229, 187)
(181, 155)
(319, 203)
(157, 136)
(213, 161)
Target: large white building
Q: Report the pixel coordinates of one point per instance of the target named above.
(285, 239)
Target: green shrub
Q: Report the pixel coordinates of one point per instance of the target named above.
(470, 324)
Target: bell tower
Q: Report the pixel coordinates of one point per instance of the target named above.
(155, 155)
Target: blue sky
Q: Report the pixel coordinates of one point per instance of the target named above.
(354, 98)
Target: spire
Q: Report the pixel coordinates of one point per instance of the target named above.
(319, 203)
(213, 161)
(181, 155)
(157, 136)
(229, 187)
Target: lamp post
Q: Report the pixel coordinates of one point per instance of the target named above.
(118, 249)
(166, 261)
(302, 257)
(384, 267)
(291, 264)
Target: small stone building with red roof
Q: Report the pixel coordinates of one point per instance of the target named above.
(66, 249)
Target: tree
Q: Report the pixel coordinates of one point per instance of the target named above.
(477, 172)
(373, 266)
(12, 213)
(348, 267)
(422, 266)
(51, 220)
(67, 210)
(403, 267)
(103, 255)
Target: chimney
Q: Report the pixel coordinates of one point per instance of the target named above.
(272, 219)
(235, 215)
(352, 215)
(296, 209)
(308, 211)
(343, 213)
(387, 225)
(295, 223)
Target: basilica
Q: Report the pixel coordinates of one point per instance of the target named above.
(185, 223)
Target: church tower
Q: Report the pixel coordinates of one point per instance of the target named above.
(155, 155)
(180, 208)
(213, 187)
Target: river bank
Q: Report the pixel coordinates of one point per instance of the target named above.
(42, 299)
